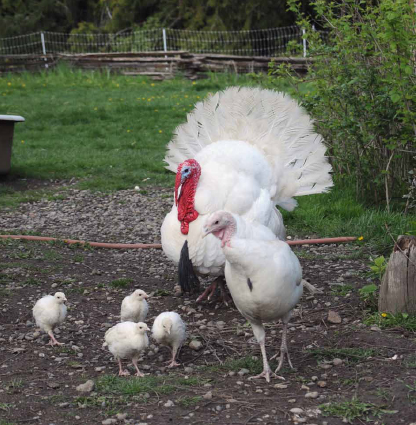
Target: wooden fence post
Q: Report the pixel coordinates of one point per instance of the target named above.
(398, 286)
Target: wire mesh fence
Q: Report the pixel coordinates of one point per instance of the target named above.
(268, 42)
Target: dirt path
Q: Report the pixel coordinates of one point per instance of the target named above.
(376, 369)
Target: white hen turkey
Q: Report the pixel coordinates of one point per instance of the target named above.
(125, 341)
(170, 330)
(242, 150)
(134, 307)
(49, 312)
(263, 276)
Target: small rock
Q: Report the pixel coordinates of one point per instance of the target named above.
(169, 403)
(53, 385)
(312, 394)
(188, 370)
(208, 395)
(109, 421)
(297, 410)
(99, 368)
(195, 345)
(243, 372)
(121, 416)
(292, 400)
(87, 387)
(63, 404)
(375, 329)
(321, 384)
(280, 386)
(334, 317)
(337, 362)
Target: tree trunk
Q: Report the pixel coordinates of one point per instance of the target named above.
(398, 287)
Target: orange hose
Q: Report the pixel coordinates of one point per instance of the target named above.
(159, 246)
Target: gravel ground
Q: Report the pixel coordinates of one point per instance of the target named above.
(39, 383)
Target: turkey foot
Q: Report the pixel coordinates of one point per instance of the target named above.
(210, 291)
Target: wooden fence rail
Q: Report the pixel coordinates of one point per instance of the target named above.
(156, 64)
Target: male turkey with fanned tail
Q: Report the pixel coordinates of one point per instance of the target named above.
(243, 150)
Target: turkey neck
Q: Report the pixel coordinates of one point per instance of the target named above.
(229, 232)
(186, 203)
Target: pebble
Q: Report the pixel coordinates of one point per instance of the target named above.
(292, 400)
(121, 416)
(109, 421)
(86, 387)
(334, 317)
(321, 384)
(208, 395)
(169, 403)
(195, 345)
(312, 394)
(280, 386)
(375, 329)
(297, 410)
(337, 362)
(243, 372)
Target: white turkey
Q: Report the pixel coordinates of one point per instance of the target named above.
(49, 312)
(125, 341)
(264, 277)
(134, 307)
(243, 150)
(169, 329)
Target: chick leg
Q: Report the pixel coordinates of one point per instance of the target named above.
(122, 372)
(283, 348)
(173, 362)
(138, 373)
(53, 340)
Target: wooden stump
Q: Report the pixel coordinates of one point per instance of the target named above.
(398, 287)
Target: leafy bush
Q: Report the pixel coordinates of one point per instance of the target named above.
(363, 93)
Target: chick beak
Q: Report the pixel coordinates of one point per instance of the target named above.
(168, 331)
(147, 328)
(145, 296)
(65, 300)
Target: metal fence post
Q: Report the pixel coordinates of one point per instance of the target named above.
(42, 39)
(304, 42)
(165, 44)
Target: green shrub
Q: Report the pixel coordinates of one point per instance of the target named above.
(363, 93)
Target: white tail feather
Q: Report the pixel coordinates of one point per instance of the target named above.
(269, 120)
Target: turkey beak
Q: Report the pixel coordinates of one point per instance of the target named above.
(207, 231)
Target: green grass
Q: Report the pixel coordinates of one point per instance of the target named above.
(341, 291)
(188, 401)
(388, 320)
(121, 283)
(353, 355)
(353, 409)
(109, 132)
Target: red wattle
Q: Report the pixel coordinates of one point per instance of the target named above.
(186, 201)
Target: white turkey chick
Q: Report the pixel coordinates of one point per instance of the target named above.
(125, 341)
(134, 307)
(49, 312)
(169, 329)
(264, 277)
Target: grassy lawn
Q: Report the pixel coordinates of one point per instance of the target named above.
(110, 132)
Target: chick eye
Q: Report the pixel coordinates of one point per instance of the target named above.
(216, 222)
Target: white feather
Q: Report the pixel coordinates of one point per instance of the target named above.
(126, 340)
(134, 307)
(49, 312)
(177, 333)
(256, 148)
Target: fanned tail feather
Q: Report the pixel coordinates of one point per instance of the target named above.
(269, 120)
